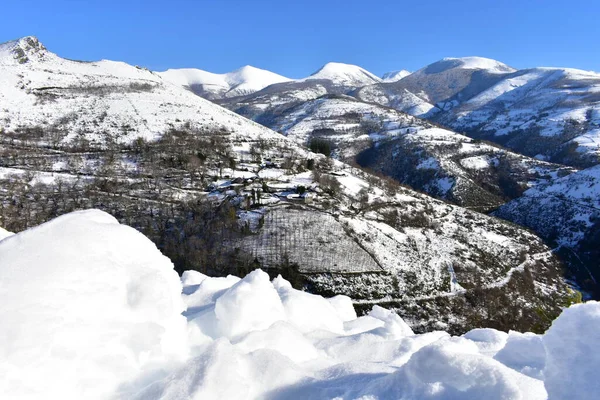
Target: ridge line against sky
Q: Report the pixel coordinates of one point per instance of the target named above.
(296, 39)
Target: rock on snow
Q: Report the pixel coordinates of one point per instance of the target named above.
(91, 309)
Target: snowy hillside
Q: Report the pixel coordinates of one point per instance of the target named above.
(457, 168)
(552, 113)
(95, 311)
(99, 101)
(441, 81)
(548, 113)
(243, 81)
(567, 213)
(440, 162)
(487, 64)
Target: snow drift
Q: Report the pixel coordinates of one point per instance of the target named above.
(86, 304)
(91, 309)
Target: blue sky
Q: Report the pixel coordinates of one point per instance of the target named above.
(294, 38)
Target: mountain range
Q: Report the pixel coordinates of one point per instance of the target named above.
(549, 113)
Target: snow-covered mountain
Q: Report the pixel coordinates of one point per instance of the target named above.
(547, 113)
(438, 85)
(248, 80)
(551, 113)
(243, 81)
(220, 193)
(344, 75)
(441, 81)
(394, 76)
(104, 101)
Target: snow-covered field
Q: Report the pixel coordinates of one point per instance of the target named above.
(91, 309)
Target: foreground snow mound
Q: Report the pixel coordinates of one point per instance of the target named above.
(256, 338)
(86, 305)
(91, 309)
(573, 359)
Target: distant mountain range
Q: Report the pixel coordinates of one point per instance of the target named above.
(549, 113)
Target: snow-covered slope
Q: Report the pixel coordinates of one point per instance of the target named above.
(487, 64)
(440, 162)
(91, 309)
(344, 75)
(549, 112)
(567, 213)
(438, 86)
(243, 81)
(441, 81)
(101, 101)
(332, 78)
(394, 76)
(248, 80)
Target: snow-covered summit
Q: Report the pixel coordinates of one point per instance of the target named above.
(245, 80)
(22, 50)
(394, 76)
(474, 63)
(103, 98)
(344, 74)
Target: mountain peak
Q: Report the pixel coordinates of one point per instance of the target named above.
(346, 74)
(394, 76)
(473, 63)
(249, 73)
(24, 49)
(242, 81)
(247, 68)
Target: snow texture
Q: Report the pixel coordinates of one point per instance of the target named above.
(91, 309)
(572, 357)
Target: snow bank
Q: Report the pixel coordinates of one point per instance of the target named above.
(572, 359)
(86, 305)
(91, 309)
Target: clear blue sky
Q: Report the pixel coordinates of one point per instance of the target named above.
(294, 38)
